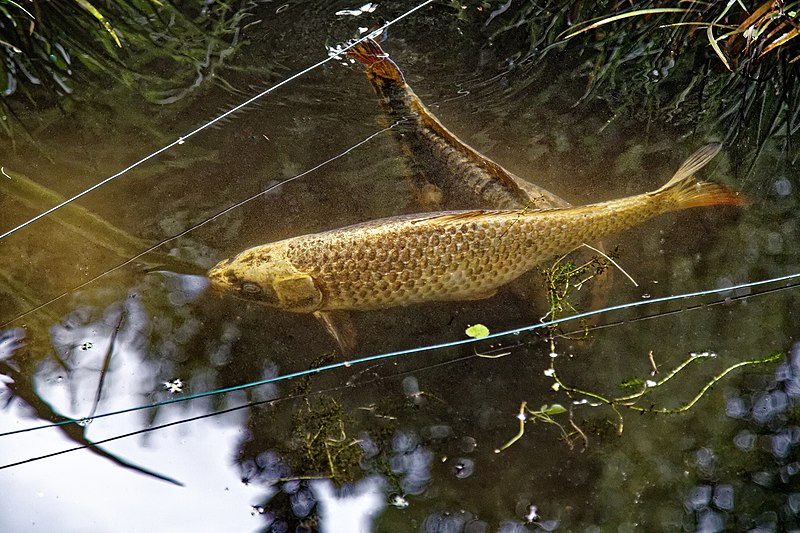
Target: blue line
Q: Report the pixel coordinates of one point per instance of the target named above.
(389, 355)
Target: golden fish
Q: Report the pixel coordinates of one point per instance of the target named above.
(455, 255)
(447, 172)
(450, 171)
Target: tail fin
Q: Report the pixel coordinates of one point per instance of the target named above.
(687, 192)
(376, 60)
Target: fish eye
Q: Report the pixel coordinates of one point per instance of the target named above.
(251, 288)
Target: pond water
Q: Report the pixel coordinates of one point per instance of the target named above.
(409, 441)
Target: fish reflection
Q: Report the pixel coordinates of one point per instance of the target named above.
(446, 256)
(447, 170)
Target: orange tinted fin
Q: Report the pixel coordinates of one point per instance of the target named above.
(687, 192)
(376, 60)
(703, 193)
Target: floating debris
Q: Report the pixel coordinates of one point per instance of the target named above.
(357, 12)
(175, 386)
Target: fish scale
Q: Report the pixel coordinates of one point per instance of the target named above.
(456, 255)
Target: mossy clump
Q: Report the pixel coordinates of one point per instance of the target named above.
(321, 444)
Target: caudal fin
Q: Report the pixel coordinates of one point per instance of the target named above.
(687, 192)
(369, 52)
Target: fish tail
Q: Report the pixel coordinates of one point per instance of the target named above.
(369, 52)
(685, 191)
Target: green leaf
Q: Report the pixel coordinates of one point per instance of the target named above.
(555, 409)
(477, 331)
(631, 383)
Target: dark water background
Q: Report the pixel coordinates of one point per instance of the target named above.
(429, 423)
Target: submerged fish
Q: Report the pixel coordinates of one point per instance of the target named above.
(449, 173)
(452, 173)
(454, 255)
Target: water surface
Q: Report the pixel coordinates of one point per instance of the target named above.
(424, 426)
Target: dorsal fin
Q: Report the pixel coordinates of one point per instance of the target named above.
(696, 161)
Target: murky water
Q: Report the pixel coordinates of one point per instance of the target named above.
(411, 440)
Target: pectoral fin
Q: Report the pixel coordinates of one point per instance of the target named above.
(340, 327)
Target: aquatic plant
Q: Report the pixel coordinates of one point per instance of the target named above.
(719, 67)
(161, 49)
(562, 278)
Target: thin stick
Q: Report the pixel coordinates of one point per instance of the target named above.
(612, 262)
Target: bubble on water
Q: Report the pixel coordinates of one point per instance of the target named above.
(782, 186)
(745, 440)
(291, 486)
(548, 525)
(783, 372)
(646, 296)
(467, 444)
(403, 442)
(769, 404)
(476, 526)
(439, 431)
(410, 386)
(709, 521)
(736, 407)
(273, 468)
(723, 497)
(220, 355)
(248, 468)
(787, 472)
(83, 422)
(464, 467)
(512, 527)
(444, 523)
(230, 333)
(302, 502)
(767, 521)
(279, 527)
(781, 444)
(706, 460)
(765, 479)
(698, 498)
(416, 466)
(368, 446)
(793, 503)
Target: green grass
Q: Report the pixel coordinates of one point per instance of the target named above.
(51, 49)
(719, 68)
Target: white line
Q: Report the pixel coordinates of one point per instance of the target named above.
(199, 224)
(182, 139)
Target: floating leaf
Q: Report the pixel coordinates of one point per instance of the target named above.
(478, 331)
(555, 409)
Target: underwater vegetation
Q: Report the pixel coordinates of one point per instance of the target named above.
(719, 67)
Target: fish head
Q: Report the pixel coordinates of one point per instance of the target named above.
(264, 275)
